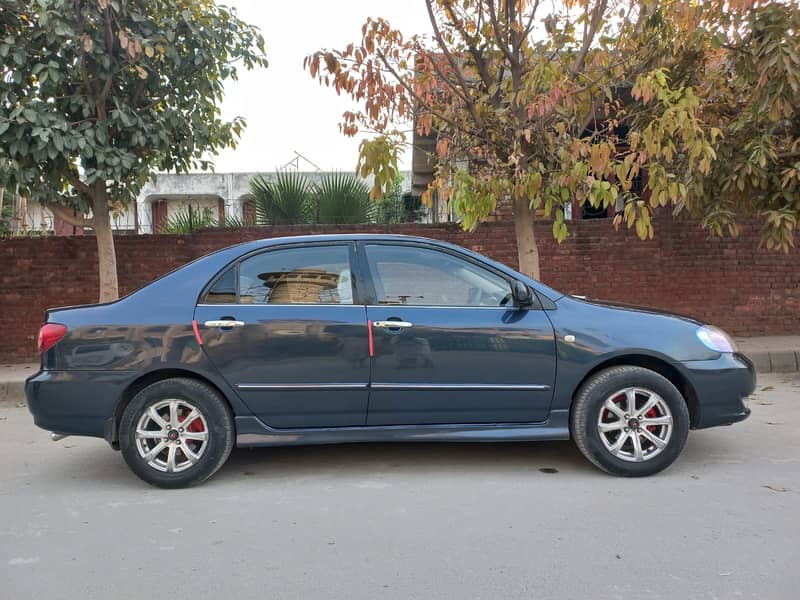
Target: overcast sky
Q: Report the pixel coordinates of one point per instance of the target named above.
(285, 109)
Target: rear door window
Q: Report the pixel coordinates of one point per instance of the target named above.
(310, 275)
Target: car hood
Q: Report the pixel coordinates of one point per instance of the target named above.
(636, 308)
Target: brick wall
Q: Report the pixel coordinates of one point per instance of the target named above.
(730, 282)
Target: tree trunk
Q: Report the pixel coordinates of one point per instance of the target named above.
(527, 250)
(106, 256)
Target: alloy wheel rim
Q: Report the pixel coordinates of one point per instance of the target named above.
(172, 435)
(635, 424)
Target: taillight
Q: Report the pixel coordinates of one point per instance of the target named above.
(50, 334)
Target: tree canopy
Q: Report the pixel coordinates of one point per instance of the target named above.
(97, 95)
(636, 103)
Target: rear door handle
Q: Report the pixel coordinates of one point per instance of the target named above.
(392, 324)
(224, 323)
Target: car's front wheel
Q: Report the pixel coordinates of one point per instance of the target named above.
(629, 421)
(176, 433)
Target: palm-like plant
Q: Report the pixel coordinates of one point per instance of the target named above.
(234, 222)
(188, 221)
(342, 198)
(288, 200)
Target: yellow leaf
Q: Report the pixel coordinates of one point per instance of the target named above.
(149, 51)
(142, 72)
(88, 44)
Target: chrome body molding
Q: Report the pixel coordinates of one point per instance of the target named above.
(390, 386)
(459, 386)
(302, 386)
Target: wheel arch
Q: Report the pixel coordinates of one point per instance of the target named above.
(149, 378)
(653, 363)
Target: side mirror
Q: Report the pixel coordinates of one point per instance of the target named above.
(523, 296)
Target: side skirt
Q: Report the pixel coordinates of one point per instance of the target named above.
(251, 432)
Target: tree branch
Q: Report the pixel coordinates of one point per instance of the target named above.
(529, 25)
(65, 214)
(444, 78)
(76, 182)
(500, 41)
(477, 56)
(640, 21)
(454, 65)
(419, 101)
(588, 37)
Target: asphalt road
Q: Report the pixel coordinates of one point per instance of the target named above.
(410, 521)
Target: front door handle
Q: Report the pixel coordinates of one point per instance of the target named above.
(392, 324)
(224, 323)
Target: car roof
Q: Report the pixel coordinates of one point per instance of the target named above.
(258, 244)
(329, 237)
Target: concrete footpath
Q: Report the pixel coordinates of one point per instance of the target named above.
(772, 354)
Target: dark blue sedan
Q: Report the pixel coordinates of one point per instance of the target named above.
(333, 339)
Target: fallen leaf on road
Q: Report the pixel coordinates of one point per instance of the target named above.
(776, 488)
(767, 388)
(762, 403)
(774, 422)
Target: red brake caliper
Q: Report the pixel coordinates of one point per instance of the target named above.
(651, 414)
(195, 426)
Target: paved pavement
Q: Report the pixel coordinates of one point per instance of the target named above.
(532, 521)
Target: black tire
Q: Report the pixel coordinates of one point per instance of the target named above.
(218, 422)
(589, 402)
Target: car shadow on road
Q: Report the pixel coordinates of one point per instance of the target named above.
(404, 459)
(85, 464)
(431, 459)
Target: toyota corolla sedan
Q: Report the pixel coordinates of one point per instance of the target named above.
(364, 338)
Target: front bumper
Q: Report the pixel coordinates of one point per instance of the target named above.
(75, 402)
(721, 387)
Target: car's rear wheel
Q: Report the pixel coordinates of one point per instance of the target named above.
(629, 421)
(176, 433)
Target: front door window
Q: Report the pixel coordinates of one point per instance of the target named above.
(422, 277)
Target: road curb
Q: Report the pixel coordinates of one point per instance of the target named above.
(782, 361)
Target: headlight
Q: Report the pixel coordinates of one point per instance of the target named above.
(715, 339)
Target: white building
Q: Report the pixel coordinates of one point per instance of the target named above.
(220, 194)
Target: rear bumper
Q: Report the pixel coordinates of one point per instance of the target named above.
(721, 387)
(75, 402)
